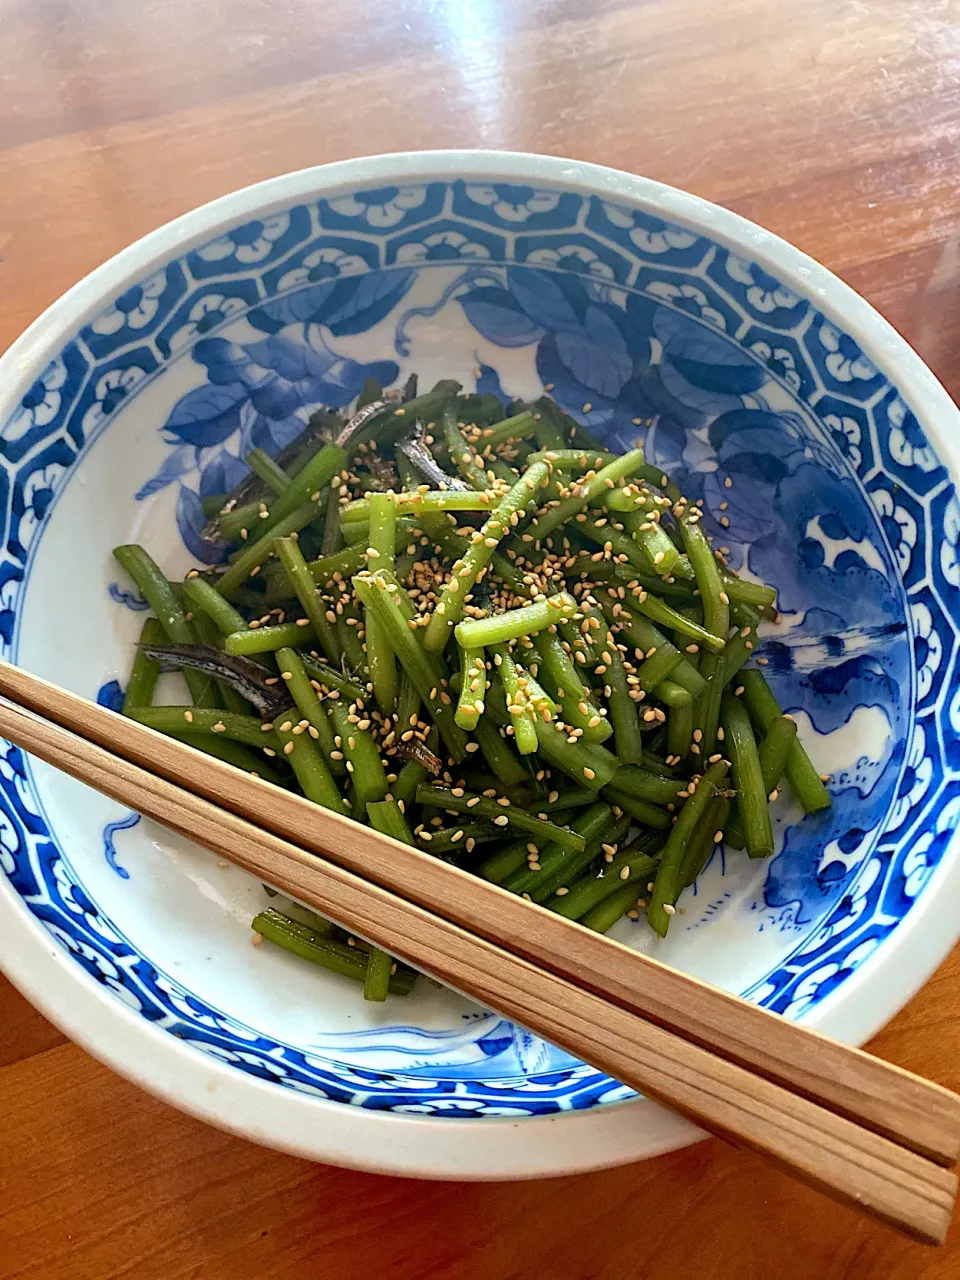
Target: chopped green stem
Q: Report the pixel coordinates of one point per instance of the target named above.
(206, 598)
(145, 671)
(623, 710)
(586, 762)
(665, 615)
(233, 522)
(643, 785)
(713, 597)
(627, 574)
(655, 543)
(775, 751)
(575, 865)
(774, 755)
(348, 633)
(155, 587)
(650, 815)
(616, 541)
(305, 488)
(267, 639)
(606, 913)
(752, 806)
(543, 705)
(559, 868)
(475, 559)
(461, 454)
(499, 628)
(332, 533)
(461, 838)
(804, 778)
(562, 668)
(404, 790)
(408, 703)
(387, 817)
(370, 393)
(738, 652)
(568, 798)
(560, 677)
(587, 892)
(341, 564)
(538, 879)
(669, 879)
(673, 695)
(518, 702)
(582, 649)
(593, 722)
(306, 759)
(498, 754)
(309, 707)
(480, 410)
(360, 752)
(376, 980)
(291, 557)
(170, 719)
(330, 678)
(383, 530)
(548, 426)
(648, 639)
(680, 726)
(424, 408)
(574, 459)
(707, 835)
(441, 797)
(514, 428)
(419, 501)
(630, 500)
(382, 550)
(241, 757)
(272, 475)
(253, 556)
(502, 864)
(473, 686)
(310, 944)
(745, 592)
(589, 487)
(374, 592)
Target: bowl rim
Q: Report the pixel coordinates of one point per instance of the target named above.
(440, 1147)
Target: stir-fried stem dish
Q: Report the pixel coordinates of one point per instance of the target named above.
(479, 632)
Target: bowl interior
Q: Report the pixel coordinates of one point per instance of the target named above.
(814, 472)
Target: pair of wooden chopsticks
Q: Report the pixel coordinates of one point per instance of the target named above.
(857, 1128)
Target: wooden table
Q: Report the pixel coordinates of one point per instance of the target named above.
(835, 123)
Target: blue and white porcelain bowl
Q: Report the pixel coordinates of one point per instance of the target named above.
(140, 391)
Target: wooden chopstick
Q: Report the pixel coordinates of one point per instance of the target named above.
(834, 1154)
(913, 1112)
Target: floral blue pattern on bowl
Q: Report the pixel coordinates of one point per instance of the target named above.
(813, 470)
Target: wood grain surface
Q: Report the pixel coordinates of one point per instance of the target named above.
(835, 123)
